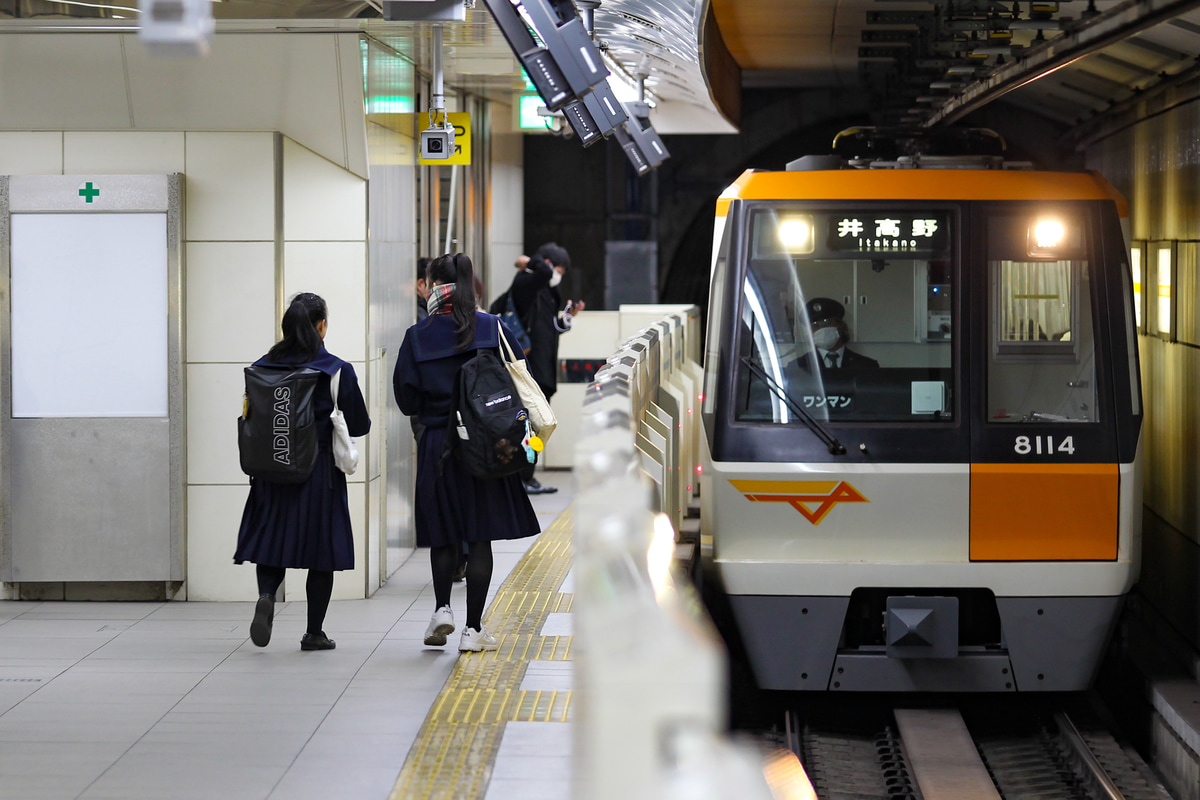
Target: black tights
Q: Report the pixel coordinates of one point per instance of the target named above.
(319, 588)
(444, 560)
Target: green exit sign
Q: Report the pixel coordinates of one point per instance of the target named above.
(529, 119)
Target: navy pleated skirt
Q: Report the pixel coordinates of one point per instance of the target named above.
(457, 507)
(299, 525)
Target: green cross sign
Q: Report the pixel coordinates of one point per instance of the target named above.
(88, 192)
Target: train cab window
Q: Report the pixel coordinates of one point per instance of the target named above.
(847, 316)
(1042, 360)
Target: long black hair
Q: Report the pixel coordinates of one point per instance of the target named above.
(300, 341)
(457, 269)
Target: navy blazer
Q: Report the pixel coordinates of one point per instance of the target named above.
(350, 399)
(429, 362)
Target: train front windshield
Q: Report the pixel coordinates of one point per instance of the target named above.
(847, 315)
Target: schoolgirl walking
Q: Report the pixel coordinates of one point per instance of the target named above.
(452, 506)
(306, 524)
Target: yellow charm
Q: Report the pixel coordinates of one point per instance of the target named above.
(537, 444)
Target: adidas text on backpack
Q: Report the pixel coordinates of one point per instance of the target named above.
(488, 423)
(277, 432)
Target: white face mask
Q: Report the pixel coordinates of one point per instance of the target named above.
(826, 338)
(556, 278)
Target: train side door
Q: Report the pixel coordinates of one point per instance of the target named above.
(1044, 478)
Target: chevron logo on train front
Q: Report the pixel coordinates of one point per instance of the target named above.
(813, 499)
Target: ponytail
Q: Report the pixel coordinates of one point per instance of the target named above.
(464, 301)
(300, 341)
(457, 269)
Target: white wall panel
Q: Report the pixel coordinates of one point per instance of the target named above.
(338, 272)
(56, 82)
(321, 201)
(230, 186)
(214, 402)
(507, 224)
(31, 153)
(315, 97)
(132, 152)
(228, 90)
(230, 300)
(378, 397)
(214, 513)
(373, 533)
(308, 86)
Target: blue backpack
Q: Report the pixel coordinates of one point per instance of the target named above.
(513, 322)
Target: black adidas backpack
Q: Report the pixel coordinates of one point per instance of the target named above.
(277, 432)
(488, 422)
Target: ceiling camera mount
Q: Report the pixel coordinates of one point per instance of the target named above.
(437, 140)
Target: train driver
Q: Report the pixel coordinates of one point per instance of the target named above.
(830, 336)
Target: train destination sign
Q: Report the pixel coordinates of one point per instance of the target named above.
(887, 232)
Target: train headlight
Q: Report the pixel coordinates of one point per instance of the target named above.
(1048, 234)
(796, 233)
(1051, 237)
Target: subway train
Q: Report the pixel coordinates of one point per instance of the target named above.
(952, 501)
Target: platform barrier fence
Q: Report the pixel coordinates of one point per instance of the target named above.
(650, 672)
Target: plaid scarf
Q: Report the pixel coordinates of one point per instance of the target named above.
(440, 299)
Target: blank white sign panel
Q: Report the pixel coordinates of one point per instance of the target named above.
(89, 315)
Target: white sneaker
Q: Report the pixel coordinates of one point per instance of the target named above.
(440, 624)
(473, 641)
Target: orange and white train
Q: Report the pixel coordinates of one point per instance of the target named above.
(956, 506)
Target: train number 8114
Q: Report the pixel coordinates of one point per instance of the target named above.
(1025, 445)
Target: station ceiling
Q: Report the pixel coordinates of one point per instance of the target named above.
(1077, 62)
(921, 62)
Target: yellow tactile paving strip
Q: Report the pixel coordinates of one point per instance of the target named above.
(453, 754)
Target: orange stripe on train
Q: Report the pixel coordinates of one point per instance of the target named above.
(822, 496)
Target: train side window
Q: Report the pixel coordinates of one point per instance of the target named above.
(1042, 332)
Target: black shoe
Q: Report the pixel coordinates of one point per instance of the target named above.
(533, 487)
(317, 641)
(460, 574)
(264, 616)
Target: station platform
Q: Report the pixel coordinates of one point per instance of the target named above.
(120, 701)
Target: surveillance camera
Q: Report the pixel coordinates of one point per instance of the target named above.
(437, 142)
(177, 27)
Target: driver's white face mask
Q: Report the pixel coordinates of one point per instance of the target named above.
(556, 278)
(826, 338)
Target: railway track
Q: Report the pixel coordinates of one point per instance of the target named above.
(979, 752)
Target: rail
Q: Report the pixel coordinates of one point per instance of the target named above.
(650, 674)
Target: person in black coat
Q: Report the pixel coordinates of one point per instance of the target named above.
(304, 525)
(452, 506)
(545, 316)
(830, 336)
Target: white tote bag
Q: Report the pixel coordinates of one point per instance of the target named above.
(541, 416)
(345, 454)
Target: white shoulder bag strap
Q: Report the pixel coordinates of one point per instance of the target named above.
(333, 386)
(505, 349)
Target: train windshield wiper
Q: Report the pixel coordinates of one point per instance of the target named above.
(835, 447)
